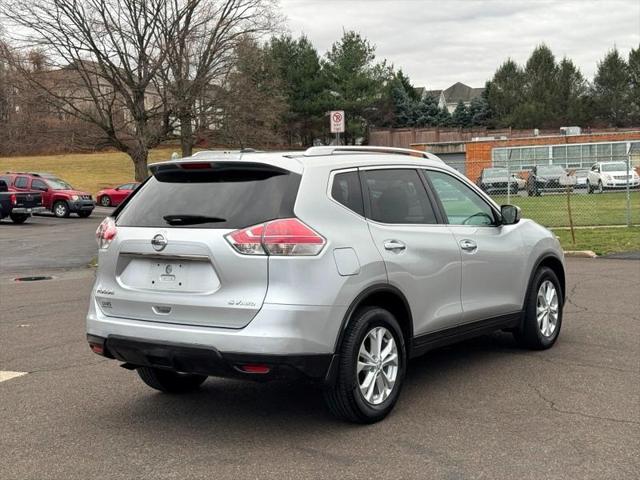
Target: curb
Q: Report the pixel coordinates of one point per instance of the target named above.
(580, 254)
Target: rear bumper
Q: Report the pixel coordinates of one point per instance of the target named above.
(206, 360)
(28, 210)
(276, 329)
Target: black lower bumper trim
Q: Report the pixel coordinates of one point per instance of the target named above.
(206, 360)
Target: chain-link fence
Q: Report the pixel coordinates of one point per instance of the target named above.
(587, 185)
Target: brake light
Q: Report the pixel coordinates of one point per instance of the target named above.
(106, 232)
(195, 166)
(284, 237)
(14, 199)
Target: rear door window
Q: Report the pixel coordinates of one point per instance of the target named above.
(22, 182)
(227, 199)
(398, 196)
(347, 190)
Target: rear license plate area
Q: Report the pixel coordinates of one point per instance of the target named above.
(168, 275)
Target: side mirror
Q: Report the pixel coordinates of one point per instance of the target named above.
(510, 214)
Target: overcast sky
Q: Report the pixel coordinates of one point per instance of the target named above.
(440, 42)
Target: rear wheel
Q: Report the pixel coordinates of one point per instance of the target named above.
(105, 201)
(61, 209)
(18, 218)
(543, 312)
(371, 368)
(170, 382)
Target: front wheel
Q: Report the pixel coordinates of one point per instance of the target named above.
(61, 209)
(589, 189)
(371, 368)
(600, 187)
(543, 312)
(105, 201)
(170, 382)
(16, 218)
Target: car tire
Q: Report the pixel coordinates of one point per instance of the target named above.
(345, 397)
(514, 189)
(84, 214)
(540, 326)
(18, 219)
(589, 189)
(600, 187)
(168, 381)
(61, 209)
(105, 201)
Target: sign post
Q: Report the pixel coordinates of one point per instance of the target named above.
(336, 123)
(569, 180)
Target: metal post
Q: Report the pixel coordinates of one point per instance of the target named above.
(509, 177)
(629, 186)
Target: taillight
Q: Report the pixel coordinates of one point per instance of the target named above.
(13, 198)
(106, 232)
(284, 237)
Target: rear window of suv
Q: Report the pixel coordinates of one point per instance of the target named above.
(229, 199)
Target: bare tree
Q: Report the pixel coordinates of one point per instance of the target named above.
(105, 58)
(201, 40)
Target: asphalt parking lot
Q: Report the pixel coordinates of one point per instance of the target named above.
(479, 410)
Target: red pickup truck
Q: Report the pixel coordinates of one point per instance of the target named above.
(57, 195)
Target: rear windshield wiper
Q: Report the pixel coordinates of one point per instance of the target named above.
(191, 219)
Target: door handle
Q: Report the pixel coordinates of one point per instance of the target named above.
(394, 246)
(468, 245)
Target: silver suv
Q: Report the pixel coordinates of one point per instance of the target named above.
(336, 264)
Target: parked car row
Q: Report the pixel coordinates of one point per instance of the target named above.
(548, 178)
(25, 193)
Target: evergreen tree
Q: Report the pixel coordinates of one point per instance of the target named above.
(355, 81)
(634, 77)
(611, 92)
(427, 113)
(461, 116)
(304, 88)
(570, 95)
(540, 76)
(479, 113)
(504, 93)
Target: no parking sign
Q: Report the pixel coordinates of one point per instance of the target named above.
(336, 121)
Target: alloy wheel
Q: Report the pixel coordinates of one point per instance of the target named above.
(547, 308)
(377, 368)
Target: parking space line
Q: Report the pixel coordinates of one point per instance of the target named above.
(6, 375)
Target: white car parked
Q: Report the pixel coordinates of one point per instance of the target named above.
(609, 175)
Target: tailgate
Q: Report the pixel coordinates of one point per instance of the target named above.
(198, 279)
(170, 261)
(28, 200)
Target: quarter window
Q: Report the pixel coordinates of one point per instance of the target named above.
(346, 189)
(399, 197)
(461, 204)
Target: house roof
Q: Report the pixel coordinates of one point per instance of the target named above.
(459, 92)
(433, 93)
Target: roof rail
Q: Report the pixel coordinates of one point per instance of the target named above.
(331, 150)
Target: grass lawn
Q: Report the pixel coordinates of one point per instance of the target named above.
(602, 240)
(85, 171)
(608, 208)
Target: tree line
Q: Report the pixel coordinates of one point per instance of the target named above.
(131, 75)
